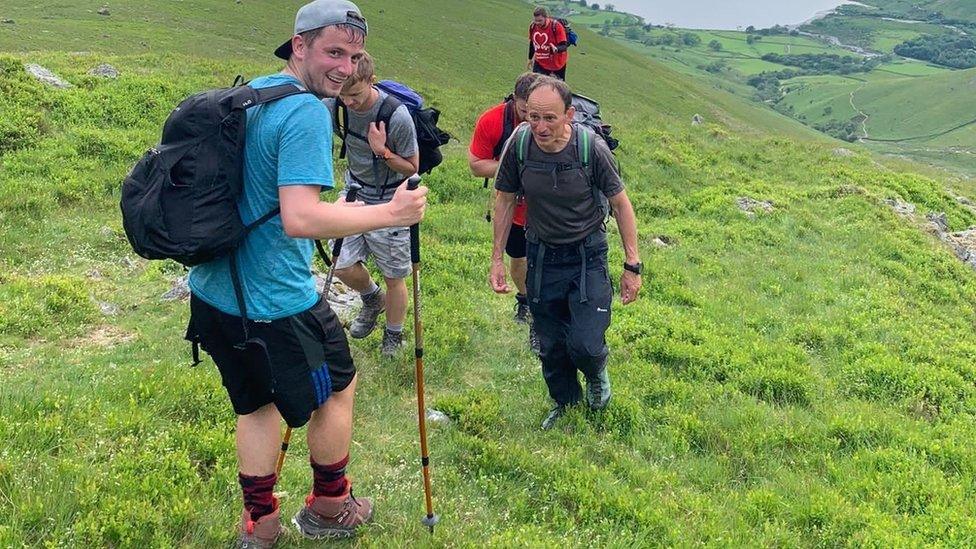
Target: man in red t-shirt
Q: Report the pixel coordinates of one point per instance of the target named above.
(547, 45)
(491, 132)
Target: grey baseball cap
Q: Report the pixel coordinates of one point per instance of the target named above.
(323, 13)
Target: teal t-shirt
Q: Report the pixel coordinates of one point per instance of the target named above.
(288, 142)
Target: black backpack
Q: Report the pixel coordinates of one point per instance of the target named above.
(179, 202)
(588, 114)
(429, 136)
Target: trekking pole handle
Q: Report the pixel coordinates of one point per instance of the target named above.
(352, 190)
(412, 183)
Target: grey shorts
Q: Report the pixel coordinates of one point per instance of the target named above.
(389, 247)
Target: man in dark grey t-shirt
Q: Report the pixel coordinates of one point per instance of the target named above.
(566, 173)
(380, 158)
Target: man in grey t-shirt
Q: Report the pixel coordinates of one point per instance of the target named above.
(380, 158)
(565, 173)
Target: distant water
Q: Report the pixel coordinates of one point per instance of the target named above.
(725, 14)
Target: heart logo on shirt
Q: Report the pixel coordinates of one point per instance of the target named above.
(540, 39)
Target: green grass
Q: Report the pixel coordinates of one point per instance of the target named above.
(801, 378)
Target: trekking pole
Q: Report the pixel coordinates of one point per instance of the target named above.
(418, 333)
(491, 203)
(351, 191)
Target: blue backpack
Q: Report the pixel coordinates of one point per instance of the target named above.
(571, 37)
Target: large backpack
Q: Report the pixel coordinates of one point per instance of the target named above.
(429, 136)
(179, 201)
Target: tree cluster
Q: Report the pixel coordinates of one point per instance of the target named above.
(958, 52)
(824, 63)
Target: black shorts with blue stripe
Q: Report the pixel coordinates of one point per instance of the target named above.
(295, 362)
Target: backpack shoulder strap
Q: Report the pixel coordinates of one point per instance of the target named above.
(274, 93)
(584, 142)
(389, 106)
(508, 126)
(584, 152)
(342, 119)
(522, 145)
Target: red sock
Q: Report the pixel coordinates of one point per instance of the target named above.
(329, 480)
(258, 494)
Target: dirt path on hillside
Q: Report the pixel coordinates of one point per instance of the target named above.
(864, 115)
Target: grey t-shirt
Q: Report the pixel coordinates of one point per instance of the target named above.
(401, 138)
(561, 205)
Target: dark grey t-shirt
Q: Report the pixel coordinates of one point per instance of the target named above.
(561, 210)
(400, 136)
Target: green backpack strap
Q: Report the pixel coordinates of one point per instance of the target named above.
(584, 146)
(522, 146)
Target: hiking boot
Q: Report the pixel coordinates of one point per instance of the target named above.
(521, 313)
(534, 343)
(365, 321)
(598, 390)
(261, 533)
(332, 517)
(392, 343)
(554, 414)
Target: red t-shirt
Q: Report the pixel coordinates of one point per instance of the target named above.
(545, 37)
(487, 132)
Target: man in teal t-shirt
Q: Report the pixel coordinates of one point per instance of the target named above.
(296, 364)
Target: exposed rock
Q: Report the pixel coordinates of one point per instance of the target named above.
(750, 205)
(106, 232)
(105, 70)
(104, 11)
(128, 263)
(95, 274)
(46, 76)
(663, 241)
(841, 152)
(7, 21)
(697, 120)
(108, 309)
(901, 208)
(179, 291)
(938, 221)
(343, 299)
(437, 417)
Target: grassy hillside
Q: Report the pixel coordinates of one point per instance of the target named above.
(802, 377)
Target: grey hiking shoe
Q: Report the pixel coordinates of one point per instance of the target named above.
(392, 343)
(521, 313)
(534, 343)
(554, 414)
(261, 533)
(365, 321)
(598, 390)
(332, 517)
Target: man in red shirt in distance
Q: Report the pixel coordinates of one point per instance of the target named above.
(491, 132)
(547, 45)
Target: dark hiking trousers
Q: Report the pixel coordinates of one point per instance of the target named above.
(571, 312)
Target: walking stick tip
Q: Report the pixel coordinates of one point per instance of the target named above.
(430, 521)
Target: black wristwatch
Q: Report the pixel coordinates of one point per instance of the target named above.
(636, 268)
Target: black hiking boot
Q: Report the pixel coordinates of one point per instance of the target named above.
(534, 344)
(365, 321)
(598, 390)
(521, 312)
(554, 414)
(392, 343)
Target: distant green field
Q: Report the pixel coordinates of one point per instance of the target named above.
(962, 9)
(870, 32)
